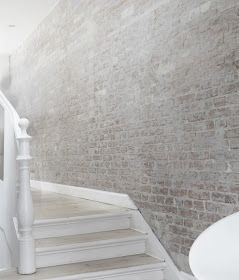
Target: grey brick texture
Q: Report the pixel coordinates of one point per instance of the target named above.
(139, 97)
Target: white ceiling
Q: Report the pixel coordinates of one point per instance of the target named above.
(26, 15)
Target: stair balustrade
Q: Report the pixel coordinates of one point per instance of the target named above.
(18, 207)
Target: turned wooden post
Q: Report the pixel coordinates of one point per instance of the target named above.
(27, 264)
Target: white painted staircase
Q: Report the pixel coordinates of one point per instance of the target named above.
(81, 239)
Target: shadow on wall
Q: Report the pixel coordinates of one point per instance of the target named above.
(5, 79)
(5, 83)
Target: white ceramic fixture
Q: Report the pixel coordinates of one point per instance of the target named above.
(215, 253)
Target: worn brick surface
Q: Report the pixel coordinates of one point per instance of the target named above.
(141, 97)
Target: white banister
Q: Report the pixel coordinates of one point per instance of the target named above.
(12, 112)
(17, 132)
(26, 263)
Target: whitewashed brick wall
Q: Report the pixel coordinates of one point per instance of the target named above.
(142, 97)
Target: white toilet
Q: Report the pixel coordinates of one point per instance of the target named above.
(215, 253)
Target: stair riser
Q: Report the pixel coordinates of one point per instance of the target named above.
(81, 226)
(148, 275)
(124, 274)
(90, 253)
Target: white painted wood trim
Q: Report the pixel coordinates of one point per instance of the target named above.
(186, 276)
(97, 217)
(12, 113)
(15, 223)
(8, 270)
(118, 199)
(25, 210)
(82, 224)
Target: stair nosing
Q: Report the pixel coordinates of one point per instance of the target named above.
(68, 220)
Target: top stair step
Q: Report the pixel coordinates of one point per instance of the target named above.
(60, 215)
(49, 205)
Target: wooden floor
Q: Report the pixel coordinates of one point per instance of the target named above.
(49, 205)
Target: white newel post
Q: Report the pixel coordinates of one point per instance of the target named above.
(27, 264)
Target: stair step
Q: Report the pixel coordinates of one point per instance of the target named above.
(49, 205)
(88, 247)
(137, 267)
(113, 220)
(62, 241)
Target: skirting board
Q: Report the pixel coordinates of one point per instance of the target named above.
(186, 276)
(118, 199)
(8, 270)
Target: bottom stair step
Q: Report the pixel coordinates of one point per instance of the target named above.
(137, 267)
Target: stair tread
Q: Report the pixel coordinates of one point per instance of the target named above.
(86, 267)
(86, 238)
(49, 205)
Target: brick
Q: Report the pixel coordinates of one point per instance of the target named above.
(200, 195)
(222, 197)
